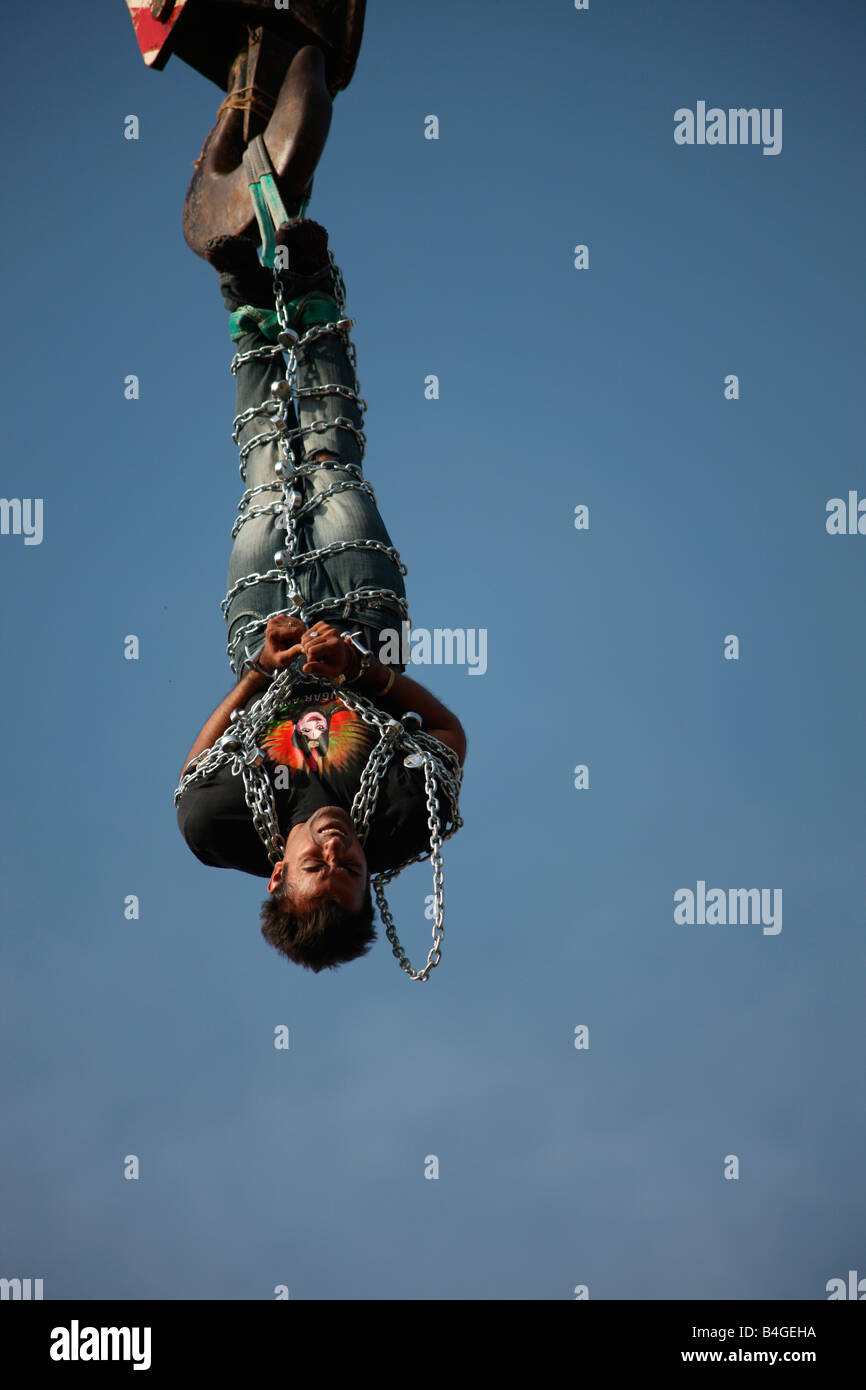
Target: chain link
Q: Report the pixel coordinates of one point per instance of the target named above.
(253, 355)
(357, 599)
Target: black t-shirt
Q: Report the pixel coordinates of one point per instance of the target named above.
(315, 752)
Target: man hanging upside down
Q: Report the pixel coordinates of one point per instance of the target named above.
(319, 740)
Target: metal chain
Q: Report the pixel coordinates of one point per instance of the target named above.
(274, 508)
(333, 390)
(252, 492)
(286, 393)
(255, 354)
(289, 563)
(290, 472)
(434, 955)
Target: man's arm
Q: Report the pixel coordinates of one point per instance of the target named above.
(252, 683)
(280, 646)
(406, 694)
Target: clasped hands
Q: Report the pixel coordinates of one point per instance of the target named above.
(325, 651)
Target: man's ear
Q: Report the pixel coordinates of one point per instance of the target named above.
(276, 875)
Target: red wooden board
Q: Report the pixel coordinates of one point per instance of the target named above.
(153, 37)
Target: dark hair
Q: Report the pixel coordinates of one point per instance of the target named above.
(321, 937)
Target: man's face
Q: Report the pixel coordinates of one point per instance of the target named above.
(324, 859)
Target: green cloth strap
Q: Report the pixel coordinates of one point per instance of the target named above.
(248, 319)
(315, 307)
(302, 313)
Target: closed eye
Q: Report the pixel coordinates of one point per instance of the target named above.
(319, 868)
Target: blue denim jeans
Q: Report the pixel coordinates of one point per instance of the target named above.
(330, 422)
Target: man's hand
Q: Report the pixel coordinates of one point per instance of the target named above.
(282, 637)
(326, 652)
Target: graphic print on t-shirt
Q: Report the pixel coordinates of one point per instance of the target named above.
(323, 738)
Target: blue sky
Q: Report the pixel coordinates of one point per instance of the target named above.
(557, 1167)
